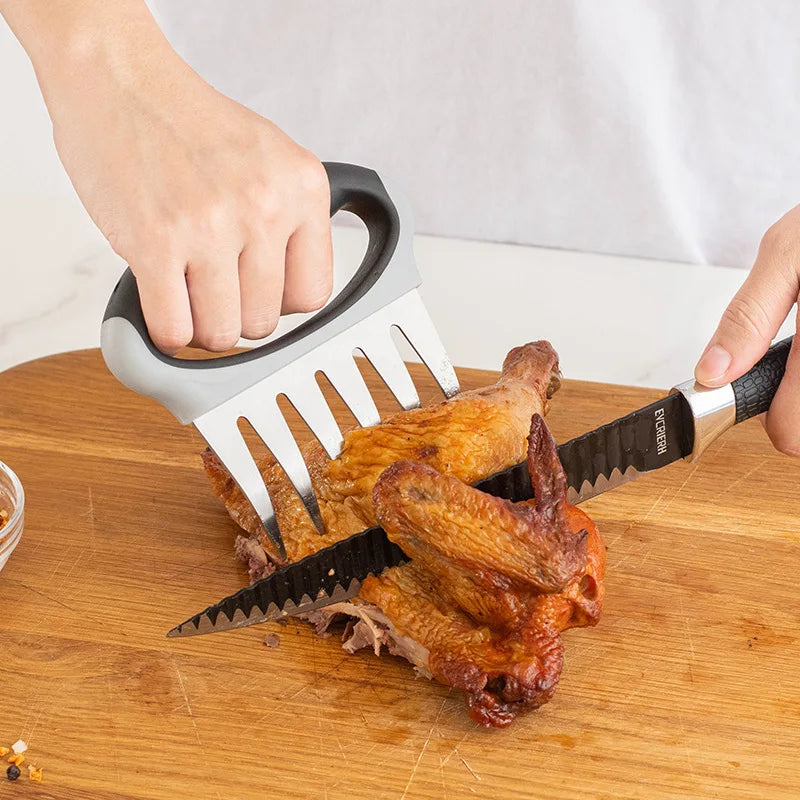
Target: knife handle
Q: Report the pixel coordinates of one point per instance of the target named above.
(716, 410)
(753, 392)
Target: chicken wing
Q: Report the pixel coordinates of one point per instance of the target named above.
(492, 583)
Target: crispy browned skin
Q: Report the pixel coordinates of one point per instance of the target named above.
(492, 584)
(470, 436)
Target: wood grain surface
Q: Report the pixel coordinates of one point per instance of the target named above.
(689, 687)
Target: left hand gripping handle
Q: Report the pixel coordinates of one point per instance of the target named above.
(189, 388)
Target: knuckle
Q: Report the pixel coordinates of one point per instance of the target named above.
(783, 432)
(220, 341)
(266, 201)
(260, 326)
(311, 176)
(180, 227)
(167, 227)
(313, 296)
(310, 303)
(212, 219)
(171, 340)
(780, 241)
(303, 306)
(780, 248)
(789, 447)
(140, 252)
(157, 245)
(119, 243)
(212, 216)
(315, 300)
(746, 314)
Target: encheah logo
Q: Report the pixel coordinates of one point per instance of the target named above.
(661, 432)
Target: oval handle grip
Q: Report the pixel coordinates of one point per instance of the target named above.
(189, 388)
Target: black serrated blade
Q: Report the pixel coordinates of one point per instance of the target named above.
(613, 454)
(328, 576)
(595, 462)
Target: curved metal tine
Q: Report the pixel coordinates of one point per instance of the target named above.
(274, 431)
(225, 439)
(416, 325)
(385, 358)
(349, 383)
(310, 403)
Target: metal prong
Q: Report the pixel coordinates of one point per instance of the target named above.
(349, 383)
(417, 327)
(309, 402)
(225, 439)
(274, 431)
(385, 358)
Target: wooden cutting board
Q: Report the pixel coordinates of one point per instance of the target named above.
(689, 687)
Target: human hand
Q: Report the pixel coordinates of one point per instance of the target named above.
(752, 320)
(223, 219)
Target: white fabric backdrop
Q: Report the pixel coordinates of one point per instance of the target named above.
(662, 128)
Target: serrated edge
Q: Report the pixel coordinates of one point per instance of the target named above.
(602, 484)
(241, 620)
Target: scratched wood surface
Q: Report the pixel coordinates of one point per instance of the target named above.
(689, 687)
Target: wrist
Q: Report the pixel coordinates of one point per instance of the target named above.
(72, 42)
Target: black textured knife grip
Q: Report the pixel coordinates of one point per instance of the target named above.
(755, 389)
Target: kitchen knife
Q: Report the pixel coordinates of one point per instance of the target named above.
(680, 425)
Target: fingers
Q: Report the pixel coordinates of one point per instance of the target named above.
(309, 254)
(783, 418)
(759, 308)
(287, 266)
(240, 257)
(309, 268)
(277, 277)
(752, 320)
(214, 297)
(165, 304)
(236, 294)
(261, 271)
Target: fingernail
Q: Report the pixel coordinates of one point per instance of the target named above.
(713, 364)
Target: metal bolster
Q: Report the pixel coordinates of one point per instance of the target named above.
(714, 411)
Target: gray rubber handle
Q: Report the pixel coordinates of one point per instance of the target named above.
(189, 388)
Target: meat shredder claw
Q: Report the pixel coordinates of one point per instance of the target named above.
(214, 394)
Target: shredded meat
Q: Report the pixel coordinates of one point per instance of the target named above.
(492, 583)
(248, 549)
(369, 627)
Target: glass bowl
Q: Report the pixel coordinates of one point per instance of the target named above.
(12, 500)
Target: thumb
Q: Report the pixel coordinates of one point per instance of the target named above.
(758, 309)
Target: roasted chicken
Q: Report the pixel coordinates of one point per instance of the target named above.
(469, 437)
(492, 583)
